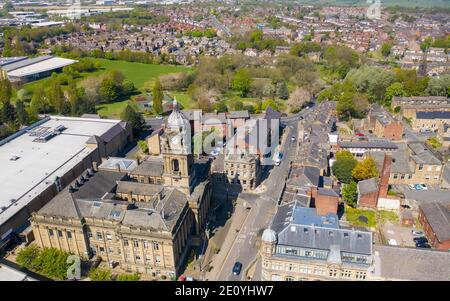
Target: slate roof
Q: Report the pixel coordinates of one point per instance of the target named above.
(149, 168)
(433, 115)
(379, 143)
(368, 186)
(317, 232)
(438, 216)
(304, 176)
(238, 114)
(138, 188)
(399, 263)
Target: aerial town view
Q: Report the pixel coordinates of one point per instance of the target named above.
(200, 141)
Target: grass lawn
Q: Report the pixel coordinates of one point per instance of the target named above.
(387, 216)
(352, 215)
(112, 110)
(183, 98)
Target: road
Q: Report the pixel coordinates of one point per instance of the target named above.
(262, 210)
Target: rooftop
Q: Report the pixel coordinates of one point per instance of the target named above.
(29, 167)
(438, 216)
(399, 263)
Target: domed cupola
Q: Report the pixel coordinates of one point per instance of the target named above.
(269, 236)
(177, 136)
(177, 120)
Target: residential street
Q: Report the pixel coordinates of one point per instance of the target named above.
(244, 248)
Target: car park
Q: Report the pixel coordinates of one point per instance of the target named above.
(418, 187)
(412, 187)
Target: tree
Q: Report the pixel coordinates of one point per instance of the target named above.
(73, 98)
(346, 106)
(298, 98)
(135, 119)
(109, 90)
(143, 146)
(282, 90)
(98, 274)
(23, 95)
(242, 82)
(386, 49)
(5, 90)
(157, 97)
(39, 103)
(128, 277)
(22, 115)
(27, 256)
(371, 80)
(365, 169)
(342, 168)
(269, 103)
(438, 86)
(396, 89)
(8, 112)
(55, 95)
(350, 193)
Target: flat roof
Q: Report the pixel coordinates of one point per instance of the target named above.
(42, 66)
(10, 274)
(29, 167)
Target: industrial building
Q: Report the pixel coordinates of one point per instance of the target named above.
(40, 160)
(23, 69)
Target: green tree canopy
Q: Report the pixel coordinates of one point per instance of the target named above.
(157, 97)
(350, 193)
(135, 119)
(99, 274)
(342, 168)
(242, 81)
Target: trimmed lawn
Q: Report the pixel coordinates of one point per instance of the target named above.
(352, 215)
(387, 216)
(112, 110)
(182, 98)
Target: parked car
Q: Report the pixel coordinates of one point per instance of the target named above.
(237, 268)
(412, 187)
(417, 233)
(424, 187)
(159, 117)
(406, 206)
(418, 187)
(293, 138)
(392, 242)
(420, 239)
(424, 245)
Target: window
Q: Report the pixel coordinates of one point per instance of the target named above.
(289, 278)
(135, 243)
(360, 275)
(50, 232)
(69, 234)
(175, 165)
(111, 250)
(102, 250)
(99, 236)
(60, 233)
(332, 273)
(138, 258)
(430, 168)
(108, 236)
(157, 259)
(402, 176)
(155, 245)
(145, 244)
(346, 274)
(90, 234)
(395, 176)
(409, 177)
(420, 166)
(125, 242)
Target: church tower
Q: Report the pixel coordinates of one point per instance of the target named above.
(176, 151)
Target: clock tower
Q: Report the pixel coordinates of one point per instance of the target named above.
(176, 150)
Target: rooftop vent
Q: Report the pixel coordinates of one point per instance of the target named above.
(14, 158)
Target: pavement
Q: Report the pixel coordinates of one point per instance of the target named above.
(242, 245)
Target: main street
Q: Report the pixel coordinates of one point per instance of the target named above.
(263, 208)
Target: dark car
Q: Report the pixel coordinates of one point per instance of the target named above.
(424, 245)
(237, 268)
(420, 239)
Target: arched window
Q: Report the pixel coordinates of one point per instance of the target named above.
(175, 165)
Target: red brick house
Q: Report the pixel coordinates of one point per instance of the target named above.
(435, 220)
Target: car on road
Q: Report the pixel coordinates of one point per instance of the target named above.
(406, 206)
(417, 233)
(424, 187)
(418, 187)
(412, 187)
(214, 153)
(278, 157)
(237, 268)
(158, 117)
(293, 138)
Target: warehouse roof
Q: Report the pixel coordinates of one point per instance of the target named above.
(30, 165)
(37, 65)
